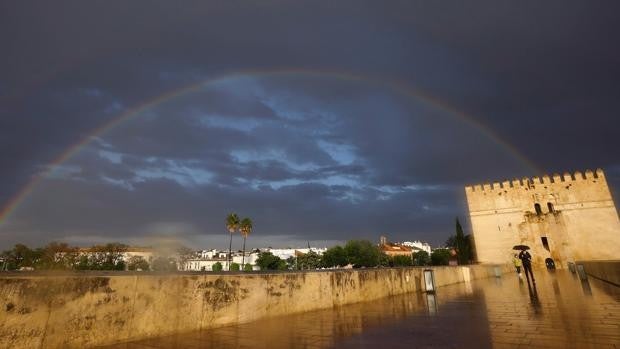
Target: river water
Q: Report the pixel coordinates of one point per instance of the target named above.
(559, 311)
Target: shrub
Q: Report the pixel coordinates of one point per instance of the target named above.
(137, 263)
(440, 256)
(421, 258)
(267, 261)
(402, 261)
(217, 267)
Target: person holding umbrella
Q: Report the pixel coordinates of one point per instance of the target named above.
(526, 260)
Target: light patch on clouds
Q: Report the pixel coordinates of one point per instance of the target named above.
(185, 175)
(279, 184)
(113, 157)
(342, 153)
(279, 155)
(100, 142)
(64, 171)
(386, 192)
(243, 124)
(118, 182)
(340, 180)
(426, 187)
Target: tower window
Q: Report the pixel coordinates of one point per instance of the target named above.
(538, 209)
(550, 207)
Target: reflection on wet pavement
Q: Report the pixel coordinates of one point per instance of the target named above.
(559, 311)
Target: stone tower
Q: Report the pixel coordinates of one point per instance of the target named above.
(566, 218)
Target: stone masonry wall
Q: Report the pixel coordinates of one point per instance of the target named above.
(84, 310)
(581, 223)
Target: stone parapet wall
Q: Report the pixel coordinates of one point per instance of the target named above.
(608, 271)
(77, 310)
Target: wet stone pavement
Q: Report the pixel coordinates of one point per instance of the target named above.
(561, 311)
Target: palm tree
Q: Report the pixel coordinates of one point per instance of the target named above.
(245, 229)
(232, 224)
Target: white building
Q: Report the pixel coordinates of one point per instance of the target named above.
(146, 253)
(250, 258)
(210, 257)
(422, 246)
(285, 253)
(202, 264)
(207, 258)
(213, 254)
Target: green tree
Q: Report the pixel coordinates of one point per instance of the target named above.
(267, 261)
(362, 253)
(385, 260)
(440, 256)
(232, 225)
(450, 242)
(83, 263)
(421, 258)
(217, 267)
(234, 266)
(58, 255)
(291, 263)
(334, 257)
(137, 263)
(463, 250)
(309, 261)
(108, 256)
(247, 267)
(246, 229)
(102, 257)
(402, 261)
(20, 256)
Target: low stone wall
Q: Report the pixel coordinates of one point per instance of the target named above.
(608, 271)
(81, 310)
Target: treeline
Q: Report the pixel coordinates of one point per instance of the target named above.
(358, 253)
(61, 256)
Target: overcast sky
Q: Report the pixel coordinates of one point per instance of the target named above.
(322, 121)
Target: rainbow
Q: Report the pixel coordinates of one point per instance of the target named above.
(399, 87)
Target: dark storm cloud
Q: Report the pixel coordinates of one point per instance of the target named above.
(314, 157)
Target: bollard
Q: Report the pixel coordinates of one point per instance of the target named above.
(429, 280)
(571, 267)
(497, 271)
(581, 271)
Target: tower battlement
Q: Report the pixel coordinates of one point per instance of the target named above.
(529, 182)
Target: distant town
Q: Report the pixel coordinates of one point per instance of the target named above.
(118, 256)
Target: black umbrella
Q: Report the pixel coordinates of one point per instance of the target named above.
(521, 247)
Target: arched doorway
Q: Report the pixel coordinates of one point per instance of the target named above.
(549, 263)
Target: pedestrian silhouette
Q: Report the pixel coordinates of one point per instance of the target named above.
(526, 260)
